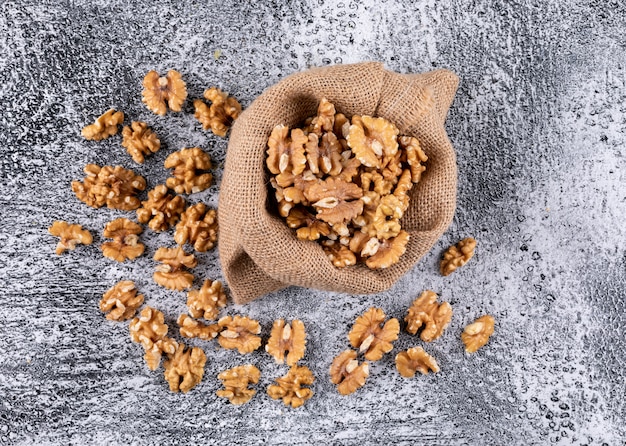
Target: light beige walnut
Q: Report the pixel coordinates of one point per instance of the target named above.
(236, 382)
(171, 272)
(207, 301)
(341, 256)
(477, 334)
(389, 251)
(414, 155)
(410, 361)
(191, 328)
(324, 154)
(336, 201)
(220, 115)
(104, 126)
(290, 338)
(347, 374)
(114, 186)
(286, 151)
(162, 210)
(372, 138)
(125, 244)
(150, 330)
(387, 218)
(307, 226)
(290, 388)
(426, 314)
(159, 93)
(241, 333)
(371, 337)
(374, 181)
(198, 227)
(184, 368)
(457, 256)
(139, 141)
(70, 235)
(324, 121)
(121, 302)
(190, 166)
(402, 189)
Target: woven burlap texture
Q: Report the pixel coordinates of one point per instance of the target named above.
(258, 252)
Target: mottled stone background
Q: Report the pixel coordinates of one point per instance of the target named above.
(539, 128)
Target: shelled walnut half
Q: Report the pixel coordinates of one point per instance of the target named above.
(150, 330)
(139, 141)
(171, 273)
(219, 116)
(410, 361)
(191, 328)
(290, 388)
(240, 332)
(236, 382)
(477, 334)
(159, 93)
(198, 227)
(371, 337)
(184, 368)
(114, 186)
(70, 236)
(121, 302)
(104, 126)
(457, 256)
(207, 301)
(162, 210)
(290, 338)
(190, 166)
(426, 314)
(125, 244)
(347, 374)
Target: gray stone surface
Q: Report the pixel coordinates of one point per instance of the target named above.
(539, 127)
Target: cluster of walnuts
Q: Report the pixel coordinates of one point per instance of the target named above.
(346, 183)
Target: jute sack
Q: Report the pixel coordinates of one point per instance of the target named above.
(258, 252)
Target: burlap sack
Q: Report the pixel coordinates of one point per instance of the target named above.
(258, 252)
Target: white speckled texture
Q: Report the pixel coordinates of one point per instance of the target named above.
(538, 125)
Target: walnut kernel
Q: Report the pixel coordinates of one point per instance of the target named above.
(220, 115)
(289, 387)
(184, 368)
(410, 361)
(161, 210)
(190, 328)
(207, 301)
(426, 313)
(139, 141)
(189, 171)
(236, 382)
(389, 251)
(371, 138)
(457, 256)
(290, 338)
(121, 302)
(70, 234)
(159, 93)
(371, 337)
(286, 153)
(114, 186)
(239, 333)
(198, 227)
(347, 374)
(125, 244)
(150, 330)
(171, 273)
(477, 333)
(104, 126)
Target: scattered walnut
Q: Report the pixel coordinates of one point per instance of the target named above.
(236, 382)
(289, 387)
(347, 374)
(114, 186)
(426, 313)
(171, 274)
(70, 234)
(125, 244)
(220, 115)
(159, 91)
(161, 210)
(307, 225)
(335, 200)
(389, 251)
(457, 256)
(339, 255)
(121, 302)
(415, 156)
(150, 330)
(410, 361)
(190, 328)
(207, 301)
(286, 153)
(287, 338)
(198, 227)
(139, 141)
(189, 166)
(371, 337)
(477, 333)
(104, 126)
(239, 333)
(371, 138)
(184, 368)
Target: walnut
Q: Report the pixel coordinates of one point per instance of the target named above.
(386, 222)
(307, 225)
(341, 127)
(125, 244)
(324, 122)
(220, 115)
(189, 171)
(171, 274)
(239, 333)
(324, 155)
(286, 152)
(410, 361)
(104, 126)
(426, 313)
(457, 256)
(370, 337)
(415, 156)
(289, 338)
(339, 255)
(236, 382)
(159, 91)
(139, 141)
(121, 302)
(477, 333)
(336, 200)
(70, 234)
(375, 181)
(190, 328)
(150, 330)
(402, 189)
(114, 186)
(184, 368)
(347, 374)
(161, 210)
(371, 138)
(289, 387)
(295, 187)
(198, 227)
(207, 301)
(389, 251)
